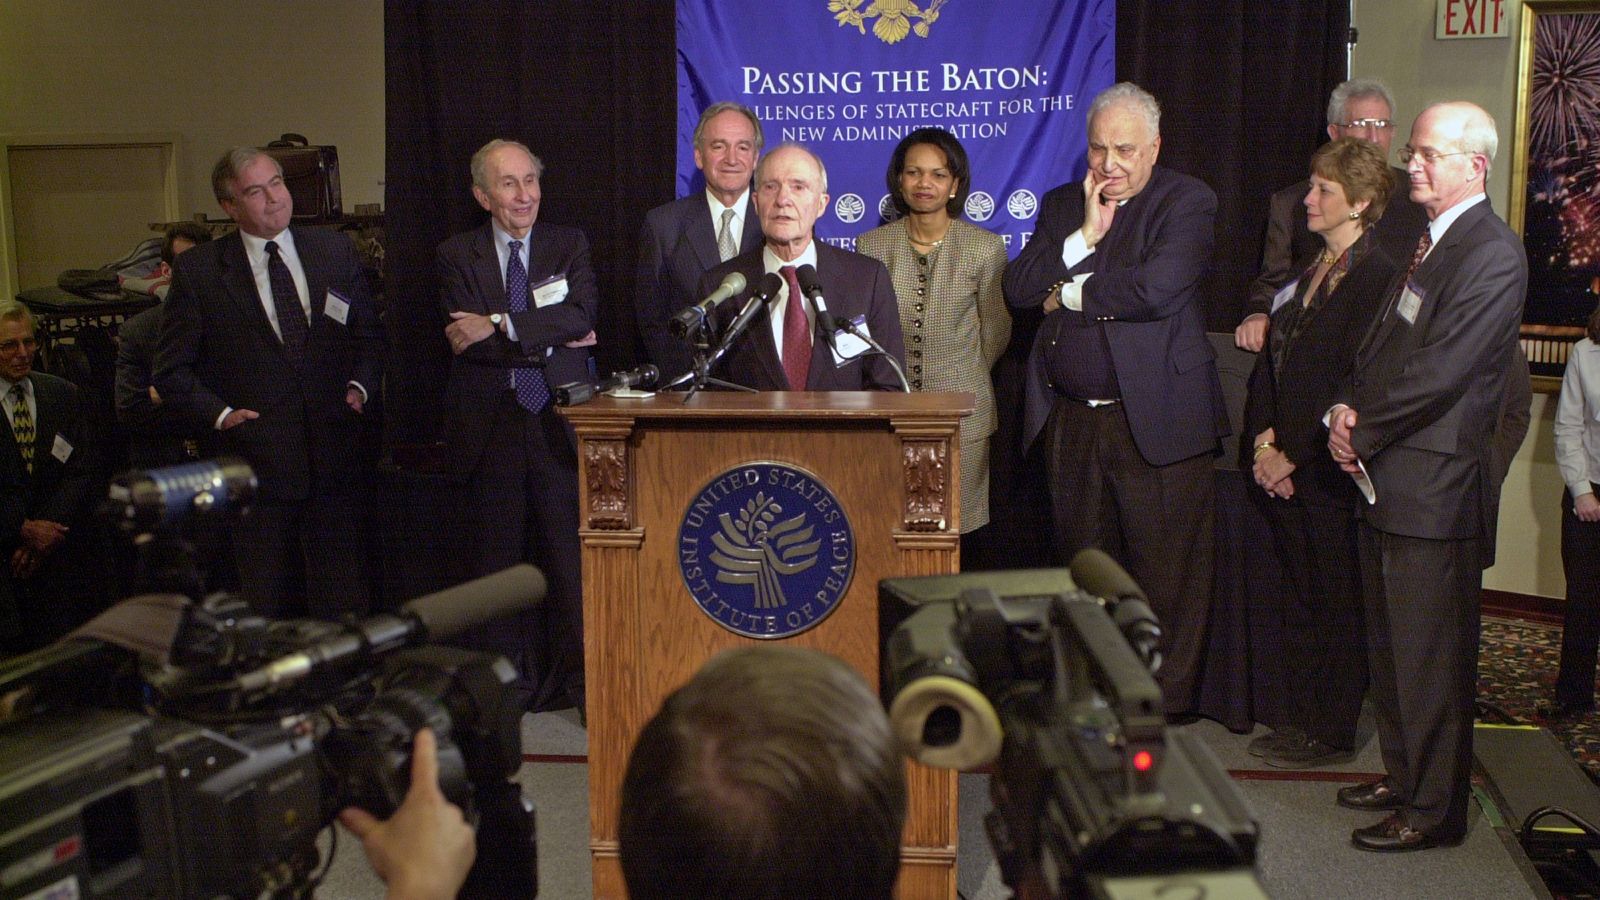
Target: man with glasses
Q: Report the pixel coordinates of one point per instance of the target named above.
(1415, 429)
(1360, 108)
(46, 489)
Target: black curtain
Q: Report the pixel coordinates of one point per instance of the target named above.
(590, 86)
(1244, 87)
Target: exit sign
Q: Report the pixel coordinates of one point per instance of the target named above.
(1471, 19)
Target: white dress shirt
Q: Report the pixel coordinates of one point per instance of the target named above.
(255, 249)
(1578, 420)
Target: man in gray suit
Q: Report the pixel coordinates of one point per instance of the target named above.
(1415, 429)
(684, 239)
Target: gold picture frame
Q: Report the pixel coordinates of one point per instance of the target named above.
(1555, 177)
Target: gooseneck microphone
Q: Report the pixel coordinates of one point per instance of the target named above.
(806, 275)
(769, 287)
(689, 318)
(582, 391)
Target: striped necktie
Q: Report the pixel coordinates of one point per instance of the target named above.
(22, 425)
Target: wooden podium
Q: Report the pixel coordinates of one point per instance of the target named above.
(891, 460)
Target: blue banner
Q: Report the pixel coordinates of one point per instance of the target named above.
(1011, 79)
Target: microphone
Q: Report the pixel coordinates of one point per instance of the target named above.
(437, 616)
(690, 318)
(806, 275)
(142, 501)
(582, 391)
(1097, 573)
(765, 291)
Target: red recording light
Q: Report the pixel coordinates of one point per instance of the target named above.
(1143, 760)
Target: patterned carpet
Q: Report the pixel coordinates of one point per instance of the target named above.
(1517, 670)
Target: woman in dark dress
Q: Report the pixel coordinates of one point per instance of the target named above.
(1317, 323)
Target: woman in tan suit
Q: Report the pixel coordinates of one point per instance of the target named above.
(946, 275)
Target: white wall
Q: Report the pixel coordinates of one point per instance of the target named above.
(216, 73)
(1396, 43)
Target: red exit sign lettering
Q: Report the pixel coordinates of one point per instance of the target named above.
(1471, 19)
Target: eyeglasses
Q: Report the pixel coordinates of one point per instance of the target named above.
(1429, 157)
(1379, 124)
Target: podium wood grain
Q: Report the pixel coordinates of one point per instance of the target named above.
(891, 460)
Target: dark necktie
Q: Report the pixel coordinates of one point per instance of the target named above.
(796, 334)
(532, 392)
(292, 325)
(1423, 246)
(22, 425)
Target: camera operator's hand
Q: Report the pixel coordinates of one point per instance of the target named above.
(426, 848)
(42, 535)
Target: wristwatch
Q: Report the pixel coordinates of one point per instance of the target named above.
(498, 320)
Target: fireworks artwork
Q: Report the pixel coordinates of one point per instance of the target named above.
(1562, 221)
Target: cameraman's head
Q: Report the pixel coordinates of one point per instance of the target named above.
(772, 773)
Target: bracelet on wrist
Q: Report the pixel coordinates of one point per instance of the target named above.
(1263, 447)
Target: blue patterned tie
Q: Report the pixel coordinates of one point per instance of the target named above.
(532, 392)
(292, 325)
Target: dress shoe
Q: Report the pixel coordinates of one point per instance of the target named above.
(1305, 753)
(1553, 710)
(1373, 795)
(1393, 835)
(1272, 740)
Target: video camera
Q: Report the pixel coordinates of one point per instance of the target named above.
(1046, 675)
(185, 747)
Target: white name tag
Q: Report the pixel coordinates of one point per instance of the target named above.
(847, 346)
(336, 307)
(60, 449)
(1285, 295)
(549, 291)
(1410, 303)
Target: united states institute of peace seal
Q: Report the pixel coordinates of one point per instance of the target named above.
(766, 550)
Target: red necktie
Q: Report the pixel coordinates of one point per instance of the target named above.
(796, 334)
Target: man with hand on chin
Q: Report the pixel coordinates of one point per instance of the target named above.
(1122, 386)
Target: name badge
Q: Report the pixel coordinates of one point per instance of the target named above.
(336, 307)
(1285, 294)
(1410, 303)
(846, 346)
(549, 291)
(61, 449)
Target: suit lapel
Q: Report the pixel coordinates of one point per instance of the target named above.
(316, 273)
(701, 233)
(486, 270)
(752, 226)
(240, 284)
(766, 349)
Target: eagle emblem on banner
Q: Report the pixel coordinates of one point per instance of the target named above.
(894, 18)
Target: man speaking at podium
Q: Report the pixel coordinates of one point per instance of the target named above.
(784, 349)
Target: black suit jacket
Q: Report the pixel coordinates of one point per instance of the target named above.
(471, 280)
(1290, 244)
(156, 432)
(678, 245)
(852, 285)
(1147, 272)
(218, 350)
(1428, 393)
(1292, 401)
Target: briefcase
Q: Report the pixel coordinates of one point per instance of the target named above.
(311, 174)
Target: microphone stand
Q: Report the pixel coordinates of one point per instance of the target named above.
(699, 375)
(844, 324)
